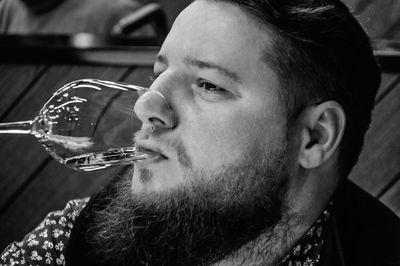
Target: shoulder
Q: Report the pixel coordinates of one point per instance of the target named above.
(45, 245)
(366, 229)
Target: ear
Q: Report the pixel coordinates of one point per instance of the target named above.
(321, 130)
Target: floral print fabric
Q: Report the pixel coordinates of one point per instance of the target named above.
(46, 244)
(307, 251)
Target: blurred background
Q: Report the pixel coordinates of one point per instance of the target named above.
(76, 16)
(47, 43)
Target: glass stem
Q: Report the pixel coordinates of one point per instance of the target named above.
(22, 127)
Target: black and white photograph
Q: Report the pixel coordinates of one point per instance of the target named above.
(200, 132)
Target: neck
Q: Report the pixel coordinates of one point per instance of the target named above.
(270, 247)
(305, 204)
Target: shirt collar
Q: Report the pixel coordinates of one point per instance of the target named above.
(307, 250)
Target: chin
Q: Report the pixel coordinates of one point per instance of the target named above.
(156, 178)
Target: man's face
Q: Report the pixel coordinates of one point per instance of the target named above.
(223, 175)
(223, 99)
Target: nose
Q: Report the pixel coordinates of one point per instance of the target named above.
(152, 108)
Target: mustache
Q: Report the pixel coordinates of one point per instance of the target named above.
(158, 136)
(148, 131)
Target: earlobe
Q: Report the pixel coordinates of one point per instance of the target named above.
(321, 130)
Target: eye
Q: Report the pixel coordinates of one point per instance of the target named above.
(211, 92)
(210, 87)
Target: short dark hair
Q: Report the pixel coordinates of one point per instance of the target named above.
(321, 53)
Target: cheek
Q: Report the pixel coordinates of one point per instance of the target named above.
(228, 138)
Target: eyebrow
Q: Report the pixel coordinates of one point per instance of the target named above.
(205, 65)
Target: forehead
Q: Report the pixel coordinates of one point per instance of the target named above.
(220, 32)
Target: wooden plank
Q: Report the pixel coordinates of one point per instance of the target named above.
(43, 193)
(380, 159)
(173, 8)
(392, 197)
(379, 18)
(21, 156)
(388, 81)
(351, 4)
(140, 76)
(14, 80)
(361, 5)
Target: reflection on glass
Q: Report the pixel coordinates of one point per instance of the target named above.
(88, 124)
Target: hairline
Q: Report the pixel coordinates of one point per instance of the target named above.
(271, 55)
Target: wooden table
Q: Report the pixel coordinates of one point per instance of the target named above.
(32, 184)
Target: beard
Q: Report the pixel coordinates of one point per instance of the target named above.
(197, 224)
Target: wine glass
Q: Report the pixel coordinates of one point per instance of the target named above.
(89, 124)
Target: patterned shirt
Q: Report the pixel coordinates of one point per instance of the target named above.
(46, 244)
(307, 251)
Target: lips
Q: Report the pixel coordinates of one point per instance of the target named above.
(148, 152)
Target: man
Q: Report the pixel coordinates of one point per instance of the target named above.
(266, 104)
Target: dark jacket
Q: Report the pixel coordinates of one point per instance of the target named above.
(362, 231)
